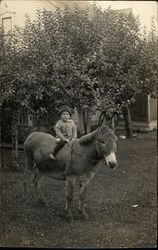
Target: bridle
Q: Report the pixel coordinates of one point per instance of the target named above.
(101, 121)
(76, 153)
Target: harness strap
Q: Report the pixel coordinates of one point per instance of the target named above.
(73, 151)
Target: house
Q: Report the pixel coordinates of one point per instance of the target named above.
(12, 12)
(144, 113)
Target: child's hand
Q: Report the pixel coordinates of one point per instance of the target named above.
(66, 140)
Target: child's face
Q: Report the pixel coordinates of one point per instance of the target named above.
(65, 116)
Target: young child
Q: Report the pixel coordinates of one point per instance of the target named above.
(65, 129)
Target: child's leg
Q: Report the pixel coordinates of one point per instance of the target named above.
(59, 145)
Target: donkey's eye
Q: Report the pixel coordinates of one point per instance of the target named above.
(103, 142)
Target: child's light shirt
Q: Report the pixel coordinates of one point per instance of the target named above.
(66, 130)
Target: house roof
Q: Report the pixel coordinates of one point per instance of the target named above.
(87, 4)
(81, 4)
(128, 12)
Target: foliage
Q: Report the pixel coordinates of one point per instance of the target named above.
(43, 63)
(126, 62)
(148, 64)
(68, 57)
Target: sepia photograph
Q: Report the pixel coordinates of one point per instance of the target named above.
(78, 124)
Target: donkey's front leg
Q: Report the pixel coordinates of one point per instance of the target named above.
(69, 196)
(83, 183)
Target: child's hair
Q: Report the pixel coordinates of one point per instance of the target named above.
(65, 108)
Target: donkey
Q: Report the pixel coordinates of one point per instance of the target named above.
(76, 161)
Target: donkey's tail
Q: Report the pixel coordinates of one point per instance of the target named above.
(30, 167)
(29, 161)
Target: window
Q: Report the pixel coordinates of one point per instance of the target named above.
(30, 120)
(7, 24)
(23, 119)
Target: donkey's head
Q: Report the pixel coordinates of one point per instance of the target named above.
(106, 139)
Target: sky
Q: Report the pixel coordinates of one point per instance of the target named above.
(145, 9)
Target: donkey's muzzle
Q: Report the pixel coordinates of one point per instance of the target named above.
(111, 160)
(113, 164)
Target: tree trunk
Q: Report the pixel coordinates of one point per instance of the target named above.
(0, 123)
(88, 118)
(84, 119)
(0, 134)
(15, 140)
(127, 120)
(81, 122)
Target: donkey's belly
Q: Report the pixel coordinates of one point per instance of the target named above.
(51, 166)
(56, 175)
(46, 164)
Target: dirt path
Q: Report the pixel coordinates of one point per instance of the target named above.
(122, 205)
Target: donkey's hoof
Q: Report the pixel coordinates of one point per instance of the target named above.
(68, 217)
(23, 198)
(24, 201)
(42, 202)
(84, 215)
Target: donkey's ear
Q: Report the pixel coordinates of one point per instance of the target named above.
(114, 120)
(102, 119)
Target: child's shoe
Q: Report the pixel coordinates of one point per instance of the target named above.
(52, 156)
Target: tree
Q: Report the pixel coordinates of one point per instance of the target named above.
(70, 57)
(148, 64)
(43, 65)
(119, 62)
(23, 86)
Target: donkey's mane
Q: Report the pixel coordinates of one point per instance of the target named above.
(87, 138)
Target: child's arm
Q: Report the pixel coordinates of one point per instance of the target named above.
(58, 132)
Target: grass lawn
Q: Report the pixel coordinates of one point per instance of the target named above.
(122, 204)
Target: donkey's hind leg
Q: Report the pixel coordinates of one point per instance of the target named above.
(70, 181)
(37, 181)
(29, 166)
